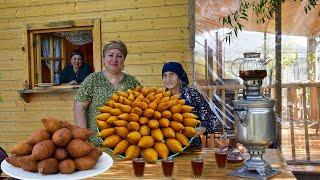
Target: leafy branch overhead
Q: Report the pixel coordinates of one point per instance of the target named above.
(263, 9)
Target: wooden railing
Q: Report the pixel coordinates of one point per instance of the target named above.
(300, 104)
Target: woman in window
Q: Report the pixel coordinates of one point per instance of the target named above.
(76, 71)
(98, 87)
(176, 80)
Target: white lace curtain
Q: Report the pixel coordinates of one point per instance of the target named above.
(77, 37)
(45, 47)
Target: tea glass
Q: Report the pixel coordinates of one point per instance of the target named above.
(197, 166)
(221, 158)
(138, 166)
(167, 167)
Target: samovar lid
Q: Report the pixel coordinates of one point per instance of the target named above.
(254, 103)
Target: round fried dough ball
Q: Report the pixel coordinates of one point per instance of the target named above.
(62, 137)
(67, 166)
(95, 153)
(60, 154)
(84, 163)
(22, 148)
(29, 164)
(78, 148)
(43, 150)
(51, 124)
(81, 133)
(48, 166)
(38, 136)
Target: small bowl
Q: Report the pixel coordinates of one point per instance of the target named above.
(235, 161)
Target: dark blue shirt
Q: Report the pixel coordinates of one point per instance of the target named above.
(68, 74)
(202, 109)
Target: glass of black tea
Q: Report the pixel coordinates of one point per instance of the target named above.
(138, 166)
(197, 166)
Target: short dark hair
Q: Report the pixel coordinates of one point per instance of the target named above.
(77, 52)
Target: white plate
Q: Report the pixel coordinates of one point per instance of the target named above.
(103, 164)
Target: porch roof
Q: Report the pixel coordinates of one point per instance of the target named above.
(294, 20)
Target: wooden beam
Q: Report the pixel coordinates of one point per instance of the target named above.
(96, 34)
(32, 59)
(38, 53)
(305, 122)
(206, 61)
(62, 30)
(223, 105)
(51, 61)
(290, 117)
(60, 24)
(318, 91)
(63, 54)
(192, 24)
(278, 89)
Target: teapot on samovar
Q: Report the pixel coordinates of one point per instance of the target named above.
(255, 122)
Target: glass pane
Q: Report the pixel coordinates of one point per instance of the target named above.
(45, 47)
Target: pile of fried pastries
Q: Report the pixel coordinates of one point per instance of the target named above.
(59, 147)
(146, 122)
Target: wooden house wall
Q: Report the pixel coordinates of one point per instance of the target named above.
(154, 30)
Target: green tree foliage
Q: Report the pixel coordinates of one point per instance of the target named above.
(263, 9)
(289, 56)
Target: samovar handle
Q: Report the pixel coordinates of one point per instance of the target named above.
(234, 62)
(243, 116)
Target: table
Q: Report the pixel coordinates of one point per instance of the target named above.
(122, 169)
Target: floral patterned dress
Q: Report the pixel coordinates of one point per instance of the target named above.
(202, 109)
(97, 89)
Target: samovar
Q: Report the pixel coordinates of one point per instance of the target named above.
(255, 122)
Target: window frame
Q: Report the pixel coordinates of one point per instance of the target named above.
(32, 31)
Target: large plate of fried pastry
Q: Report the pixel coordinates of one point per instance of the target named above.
(146, 122)
(103, 164)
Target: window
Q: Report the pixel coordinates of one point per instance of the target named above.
(49, 49)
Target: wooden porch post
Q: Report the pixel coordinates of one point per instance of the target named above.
(313, 75)
(192, 33)
(218, 56)
(278, 32)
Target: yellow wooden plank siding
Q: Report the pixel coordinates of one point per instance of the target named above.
(168, 12)
(13, 137)
(8, 75)
(9, 95)
(16, 54)
(154, 30)
(11, 34)
(175, 33)
(7, 44)
(33, 115)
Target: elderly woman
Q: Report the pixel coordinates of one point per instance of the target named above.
(98, 87)
(176, 80)
(76, 71)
